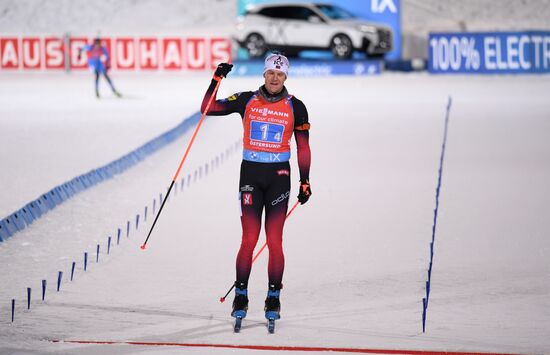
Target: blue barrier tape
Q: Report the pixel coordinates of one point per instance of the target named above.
(33, 210)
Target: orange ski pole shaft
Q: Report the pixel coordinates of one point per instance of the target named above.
(222, 299)
(182, 161)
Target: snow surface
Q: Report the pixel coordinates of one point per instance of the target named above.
(356, 253)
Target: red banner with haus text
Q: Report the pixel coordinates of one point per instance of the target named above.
(126, 53)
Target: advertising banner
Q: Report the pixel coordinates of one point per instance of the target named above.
(305, 68)
(489, 52)
(387, 12)
(128, 53)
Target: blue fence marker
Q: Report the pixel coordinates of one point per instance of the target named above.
(85, 261)
(28, 298)
(182, 183)
(59, 278)
(60, 193)
(12, 310)
(97, 254)
(127, 229)
(154, 206)
(67, 190)
(118, 237)
(72, 270)
(4, 232)
(35, 210)
(55, 197)
(42, 205)
(10, 226)
(43, 289)
(17, 221)
(137, 221)
(145, 214)
(161, 199)
(108, 245)
(27, 216)
(47, 201)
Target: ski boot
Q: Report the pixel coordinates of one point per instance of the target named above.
(240, 304)
(272, 306)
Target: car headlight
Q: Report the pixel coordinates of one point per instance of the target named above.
(367, 29)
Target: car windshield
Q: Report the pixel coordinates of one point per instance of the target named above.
(334, 12)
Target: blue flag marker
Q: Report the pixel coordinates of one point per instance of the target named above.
(59, 277)
(424, 307)
(43, 289)
(72, 270)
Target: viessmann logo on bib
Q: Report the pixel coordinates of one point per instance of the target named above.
(265, 111)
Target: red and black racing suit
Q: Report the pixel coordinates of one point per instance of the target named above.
(269, 121)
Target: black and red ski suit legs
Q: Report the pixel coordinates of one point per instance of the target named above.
(264, 186)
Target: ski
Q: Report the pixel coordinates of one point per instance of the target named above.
(271, 325)
(271, 317)
(238, 324)
(239, 315)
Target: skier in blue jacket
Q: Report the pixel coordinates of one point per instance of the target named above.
(99, 62)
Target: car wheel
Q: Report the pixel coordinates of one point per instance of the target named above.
(255, 44)
(341, 46)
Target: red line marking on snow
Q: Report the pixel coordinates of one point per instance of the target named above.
(279, 348)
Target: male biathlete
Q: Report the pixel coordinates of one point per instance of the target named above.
(270, 116)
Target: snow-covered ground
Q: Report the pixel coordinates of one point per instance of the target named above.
(356, 254)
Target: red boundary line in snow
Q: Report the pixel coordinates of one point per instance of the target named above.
(278, 348)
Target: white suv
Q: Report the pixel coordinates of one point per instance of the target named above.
(291, 28)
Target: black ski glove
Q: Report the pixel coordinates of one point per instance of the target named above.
(305, 191)
(222, 70)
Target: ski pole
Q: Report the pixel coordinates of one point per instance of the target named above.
(182, 161)
(222, 299)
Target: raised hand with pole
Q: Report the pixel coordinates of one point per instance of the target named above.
(221, 72)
